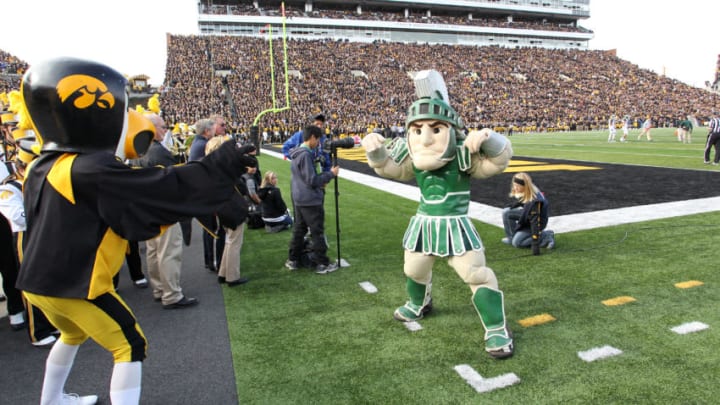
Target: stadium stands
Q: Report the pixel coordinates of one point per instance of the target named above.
(397, 15)
(11, 70)
(531, 89)
(361, 86)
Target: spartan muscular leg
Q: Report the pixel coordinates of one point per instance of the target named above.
(418, 269)
(488, 301)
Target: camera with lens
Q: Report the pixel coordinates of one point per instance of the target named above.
(330, 146)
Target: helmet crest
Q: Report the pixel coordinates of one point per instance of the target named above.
(433, 104)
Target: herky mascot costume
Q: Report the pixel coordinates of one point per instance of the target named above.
(82, 205)
(442, 160)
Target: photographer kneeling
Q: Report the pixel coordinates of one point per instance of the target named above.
(526, 217)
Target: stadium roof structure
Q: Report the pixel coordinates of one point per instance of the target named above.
(511, 23)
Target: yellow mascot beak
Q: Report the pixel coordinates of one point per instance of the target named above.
(140, 133)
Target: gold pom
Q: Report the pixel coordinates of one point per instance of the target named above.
(17, 106)
(154, 104)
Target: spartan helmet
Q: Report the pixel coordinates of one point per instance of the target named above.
(435, 108)
(75, 105)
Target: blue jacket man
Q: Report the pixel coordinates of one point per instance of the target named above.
(318, 153)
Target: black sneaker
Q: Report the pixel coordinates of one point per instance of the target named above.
(183, 303)
(241, 280)
(326, 268)
(291, 264)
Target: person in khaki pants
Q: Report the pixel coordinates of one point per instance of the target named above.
(164, 252)
(232, 217)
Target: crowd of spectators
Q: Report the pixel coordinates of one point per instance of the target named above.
(413, 16)
(11, 64)
(362, 86)
(11, 70)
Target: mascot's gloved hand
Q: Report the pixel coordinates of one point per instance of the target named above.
(474, 140)
(489, 143)
(247, 149)
(372, 141)
(247, 158)
(375, 150)
(248, 161)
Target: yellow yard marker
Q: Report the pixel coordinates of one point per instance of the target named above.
(618, 301)
(689, 284)
(536, 320)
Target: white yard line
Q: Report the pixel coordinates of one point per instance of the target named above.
(689, 327)
(412, 326)
(598, 353)
(481, 384)
(368, 287)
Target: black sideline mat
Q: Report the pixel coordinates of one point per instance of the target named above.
(574, 187)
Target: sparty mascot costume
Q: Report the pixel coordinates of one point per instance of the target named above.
(442, 160)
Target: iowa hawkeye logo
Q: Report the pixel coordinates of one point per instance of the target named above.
(85, 91)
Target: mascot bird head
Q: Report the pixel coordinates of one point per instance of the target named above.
(76, 105)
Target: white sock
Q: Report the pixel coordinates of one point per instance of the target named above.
(130, 397)
(57, 368)
(126, 383)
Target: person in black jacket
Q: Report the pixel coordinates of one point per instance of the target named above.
(526, 217)
(275, 213)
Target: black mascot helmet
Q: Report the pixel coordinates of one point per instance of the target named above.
(75, 105)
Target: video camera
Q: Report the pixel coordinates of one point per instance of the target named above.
(330, 146)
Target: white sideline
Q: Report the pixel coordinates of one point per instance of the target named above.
(412, 326)
(690, 327)
(485, 384)
(598, 353)
(368, 287)
(560, 224)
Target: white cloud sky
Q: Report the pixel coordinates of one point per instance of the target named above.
(129, 35)
(677, 37)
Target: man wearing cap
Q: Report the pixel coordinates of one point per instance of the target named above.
(318, 153)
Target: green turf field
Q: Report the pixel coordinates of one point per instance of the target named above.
(302, 338)
(664, 151)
